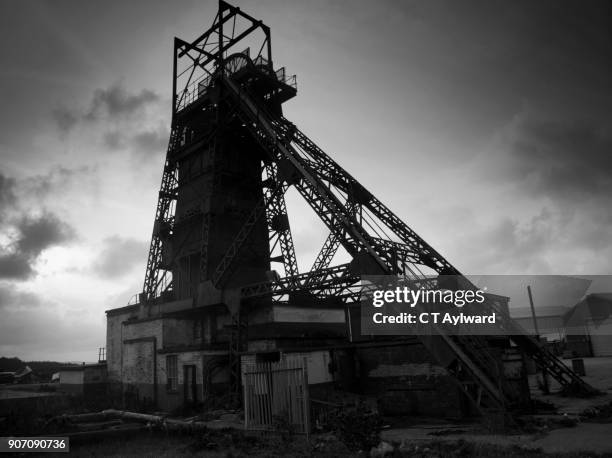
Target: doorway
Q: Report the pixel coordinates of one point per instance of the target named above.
(189, 384)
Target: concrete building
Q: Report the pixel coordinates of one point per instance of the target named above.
(88, 380)
(588, 325)
(549, 320)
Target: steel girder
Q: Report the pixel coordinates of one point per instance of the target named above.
(330, 171)
(327, 205)
(475, 362)
(162, 228)
(319, 283)
(278, 221)
(331, 244)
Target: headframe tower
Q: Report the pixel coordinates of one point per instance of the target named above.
(221, 220)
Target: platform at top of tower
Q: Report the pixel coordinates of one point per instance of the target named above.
(255, 75)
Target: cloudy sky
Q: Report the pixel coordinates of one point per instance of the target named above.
(486, 125)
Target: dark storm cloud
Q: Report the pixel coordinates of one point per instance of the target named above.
(15, 266)
(19, 198)
(123, 121)
(562, 164)
(151, 141)
(564, 160)
(7, 193)
(526, 240)
(513, 245)
(144, 141)
(65, 119)
(116, 101)
(33, 236)
(11, 297)
(119, 255)
(39, 233)
(113, 140)
(56, 179)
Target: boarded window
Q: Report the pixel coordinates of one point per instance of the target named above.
(172, 372)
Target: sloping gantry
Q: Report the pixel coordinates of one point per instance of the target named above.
(377, 240)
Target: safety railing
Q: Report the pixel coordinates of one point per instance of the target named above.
(196, 89)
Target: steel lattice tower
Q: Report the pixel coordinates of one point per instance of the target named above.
(221, 217)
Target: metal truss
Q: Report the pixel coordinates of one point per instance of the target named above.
(278, 221)
(204, 56)
(331, 244)
(306, 168)
(156, 277)
(332, 173)
(321, 283)
(353, 237)
(339, 200)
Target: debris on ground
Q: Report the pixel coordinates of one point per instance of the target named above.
(602, 413)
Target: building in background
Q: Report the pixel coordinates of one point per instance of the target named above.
(588, 326)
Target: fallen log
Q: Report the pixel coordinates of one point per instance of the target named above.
(155, 419)
(98, 425)
(87, 417)
(114, 432)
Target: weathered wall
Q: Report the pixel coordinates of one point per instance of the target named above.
(317, 365)
(406, 381)
(136, 358)
(72, 381)
(307, 315)
(114, 341)
(172, 399)
(176, 332)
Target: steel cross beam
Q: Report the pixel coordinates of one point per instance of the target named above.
(315, 282)
(278, 221)
(330, 209)
(221, 19)
(331, 244)
(331, 171)
(423, 253)
(327, 205)
(163, 222)
(224, 43)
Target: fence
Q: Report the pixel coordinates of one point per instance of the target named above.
(276, 395)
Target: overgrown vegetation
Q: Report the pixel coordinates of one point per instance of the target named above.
(358, 428)
(461, 449)
(233, 444)
(43, 370)
(599, 414)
